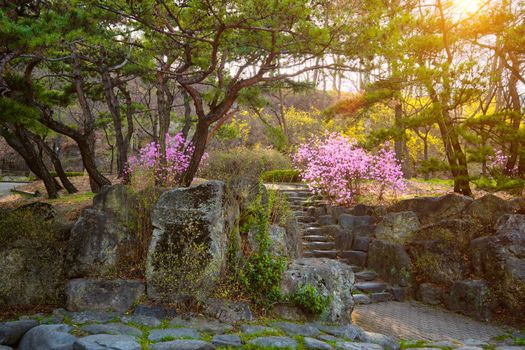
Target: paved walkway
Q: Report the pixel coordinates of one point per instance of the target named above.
(413, 320)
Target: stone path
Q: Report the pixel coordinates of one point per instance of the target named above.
(413, 320)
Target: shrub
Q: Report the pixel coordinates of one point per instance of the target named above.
(166, 173)
(336, 167)
(500, 182)
(133, 263)
(262, 272)
(242, 167)
(310, 300)
(285, 175)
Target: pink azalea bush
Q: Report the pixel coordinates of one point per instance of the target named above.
(149, 160)
(497, 164)
(336, 167)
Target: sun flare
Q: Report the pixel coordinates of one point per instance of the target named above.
(468, 6)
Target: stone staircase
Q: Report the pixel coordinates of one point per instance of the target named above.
(319, 229)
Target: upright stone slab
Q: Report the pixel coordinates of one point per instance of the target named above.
(192, 227)
(101, 236)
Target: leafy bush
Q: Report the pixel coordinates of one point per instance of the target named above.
(241, 167)
(262, 272)
(432, 166)
(336, 167)
(285, 175)
(310, 300)
(499, 183)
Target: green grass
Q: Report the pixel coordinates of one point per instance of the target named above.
(434, 181)
(73, 198)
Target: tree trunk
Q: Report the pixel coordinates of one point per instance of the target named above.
(199, 143)
(22, 145)
(187, 114)
(85, 140)
(514, 150)
(57, 164)
(114, 109)
(164, 104)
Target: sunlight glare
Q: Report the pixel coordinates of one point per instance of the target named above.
(468, 6)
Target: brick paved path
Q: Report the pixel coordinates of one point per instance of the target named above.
(412, 320)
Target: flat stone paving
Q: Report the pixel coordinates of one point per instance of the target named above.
(413, 320)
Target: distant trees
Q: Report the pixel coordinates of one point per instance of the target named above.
(128, 66)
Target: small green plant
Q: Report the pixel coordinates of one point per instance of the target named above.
(310, 300)
(263, 271)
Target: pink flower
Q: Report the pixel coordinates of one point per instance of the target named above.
(168, 173)
(334, 166)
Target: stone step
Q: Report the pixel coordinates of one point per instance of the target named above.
(305, 219)
(298, 194)
(296, 199)
(318, 245)
(354, 257)
(362, 299)
(356, 268)
(312, 231)
(332, 254)
(380, 297)
(371, 287)
(298, 213)
(366, 276)
(297, 208)
(317, 238)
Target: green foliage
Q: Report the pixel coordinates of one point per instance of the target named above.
(242, 167)
(433, 165)
(133, 262)
(499, 182)
(180, 274)
(263, 271)
(276, 137)
(285, 175)
(310, 300)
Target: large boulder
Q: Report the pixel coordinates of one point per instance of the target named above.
(486, 210)
(31, 275)
(391, 262)
(278, 240)
(330, 278)
(32, 248)
(438, 251)
(396, 227)
(502, 255)
(192, 228)
(101, 237)
(500, 259)
(471, 298)
(433, 209)
(115, 295)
